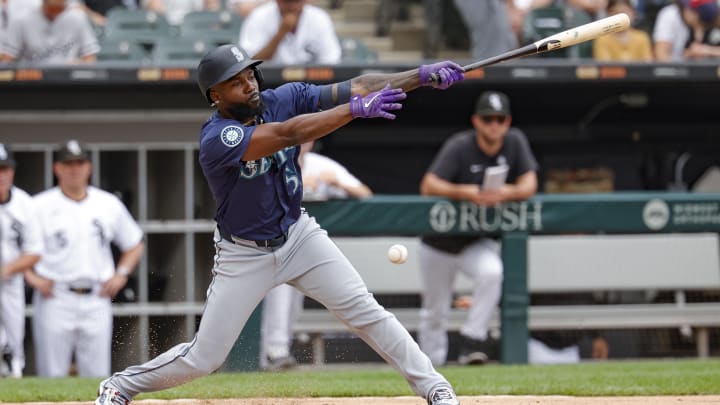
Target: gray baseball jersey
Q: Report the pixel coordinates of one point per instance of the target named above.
(33, 38)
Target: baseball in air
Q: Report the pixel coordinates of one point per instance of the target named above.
(397, 254)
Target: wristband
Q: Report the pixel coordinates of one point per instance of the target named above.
(122, 271)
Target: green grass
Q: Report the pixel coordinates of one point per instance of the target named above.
(613, 378)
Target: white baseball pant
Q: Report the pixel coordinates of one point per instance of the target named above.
(281, 307)
(12, 322)
(68, 323)
(540, 353)
(479, 261)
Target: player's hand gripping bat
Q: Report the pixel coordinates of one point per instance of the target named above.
(573, 36)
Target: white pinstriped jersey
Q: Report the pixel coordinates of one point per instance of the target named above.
(19, 230)
(77, 235)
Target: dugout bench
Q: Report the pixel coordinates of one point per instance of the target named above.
(621, 241)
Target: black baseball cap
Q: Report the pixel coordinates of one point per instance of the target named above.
(6, 156)
(492, 103)
(72, 150)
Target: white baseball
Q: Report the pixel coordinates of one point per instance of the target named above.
(397, 254)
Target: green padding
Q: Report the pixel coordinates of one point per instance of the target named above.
(515, 302)
(544, 214)
(610, 212)
(245, 353)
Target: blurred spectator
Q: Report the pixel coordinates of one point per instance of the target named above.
(704, 35)
(50, 34)
(687, 29)
(323, 179)
(629, 45)
(98, 9)
(175, 10)
(489, 27)
(594, 8)
(670, 34)
(518, 10)
(244, 7)
(290, 32)
(389, 11)
(10, 9)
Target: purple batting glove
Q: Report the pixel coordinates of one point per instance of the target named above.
(377, 104)
(441, 75)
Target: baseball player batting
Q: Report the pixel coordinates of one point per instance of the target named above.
(249, 155)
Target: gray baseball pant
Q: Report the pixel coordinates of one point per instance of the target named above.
(242, 275)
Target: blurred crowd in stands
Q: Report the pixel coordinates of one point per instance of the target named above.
(181, 31)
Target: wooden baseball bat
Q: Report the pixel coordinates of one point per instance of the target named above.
(573, 36)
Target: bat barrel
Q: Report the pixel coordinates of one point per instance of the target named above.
(585, 32)
(573, 36)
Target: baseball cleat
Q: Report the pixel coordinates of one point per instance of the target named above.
(442, 395)
(110, 396)
(280, 363)
(474, 352)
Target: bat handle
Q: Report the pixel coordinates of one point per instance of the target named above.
(435, 78)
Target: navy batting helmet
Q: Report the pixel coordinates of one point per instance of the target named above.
(222, 63)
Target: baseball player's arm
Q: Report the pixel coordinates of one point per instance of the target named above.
(6, 58)
(449, 72)
(355, 189)
(339, 93)
(38, 282)
(359, 191)
(19, 265)
(274, 136)
(434, 185)
(524, 187)
(127, 262)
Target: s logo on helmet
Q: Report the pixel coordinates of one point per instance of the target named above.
(238, 55)
(231, 136)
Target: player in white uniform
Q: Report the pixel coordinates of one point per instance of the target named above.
(323, 178)
(79, 222)
(20, 248)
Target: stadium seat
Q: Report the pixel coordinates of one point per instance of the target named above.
(542, 22)
(354, 50)
(179, 51)
(214, 27)
(142, 26)
(573, 18)
(122, 51)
